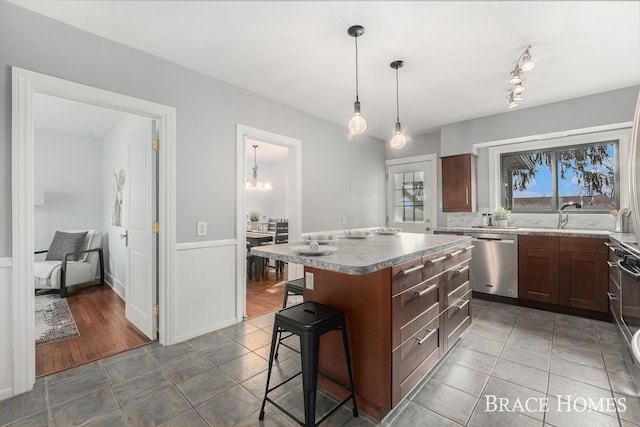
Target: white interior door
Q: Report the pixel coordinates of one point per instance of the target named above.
(141, 293)
(411, 196)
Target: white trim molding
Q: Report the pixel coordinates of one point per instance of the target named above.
(6, 262)
(207, 244)
(294, 200)
(433, 158)
(25, 84)
(622, 134)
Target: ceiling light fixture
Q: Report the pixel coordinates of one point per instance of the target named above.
(524, 63)
(254, 183)
(357, 124)
(398, 140)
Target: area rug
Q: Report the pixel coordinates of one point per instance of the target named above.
(54, 321)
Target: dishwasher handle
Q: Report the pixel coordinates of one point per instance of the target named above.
(493, 239)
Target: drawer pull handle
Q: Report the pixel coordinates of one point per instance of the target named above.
(426, 291)
(442, 258)
(412, 269)
(468, 248)
(611, 264)
(607, 244)
(463, 269)
(611, 296)
(612, 249)
(452, 254)
(461, 306)
(431, 332)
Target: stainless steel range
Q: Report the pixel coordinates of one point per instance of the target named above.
(629, 308)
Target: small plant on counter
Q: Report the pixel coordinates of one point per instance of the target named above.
(501, 214)
(254, 214)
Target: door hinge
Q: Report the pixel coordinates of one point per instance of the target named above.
(156, 310)
(156, 227)
(156, 144)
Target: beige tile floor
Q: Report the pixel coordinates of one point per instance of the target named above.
(511, 353)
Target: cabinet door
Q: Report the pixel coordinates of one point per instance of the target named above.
(538, 273)
(458, 177)
(584, 274)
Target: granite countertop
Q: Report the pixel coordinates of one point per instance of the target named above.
(364, 256)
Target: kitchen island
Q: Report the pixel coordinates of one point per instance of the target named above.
(406, 300)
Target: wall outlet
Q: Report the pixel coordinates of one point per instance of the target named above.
(201, 228)
(344, 220)
(308, 280)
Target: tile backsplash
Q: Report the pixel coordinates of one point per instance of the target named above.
(576, 221)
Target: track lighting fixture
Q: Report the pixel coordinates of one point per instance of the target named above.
(398, 140)
(357, 124)
(524, 63)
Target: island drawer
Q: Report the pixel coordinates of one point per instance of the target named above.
(406, 275)
(456, 320)
(405, 329)
(455, 256)
(414, 301)
(456, 276)
(453, 296)
(415, 351)
(416, 376)
(433, 264)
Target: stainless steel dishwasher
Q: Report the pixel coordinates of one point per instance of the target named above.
(494, 265)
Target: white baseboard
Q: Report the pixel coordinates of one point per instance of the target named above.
(6, 393)
(115, 284)
(202, 331)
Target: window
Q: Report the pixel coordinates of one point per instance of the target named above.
(408, 200)
(541, 181)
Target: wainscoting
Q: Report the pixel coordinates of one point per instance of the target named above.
(205, 287)
(6, 332)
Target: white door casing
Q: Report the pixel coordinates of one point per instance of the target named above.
(140, 272)
(294, 200)
(25, 84)
(420, 176)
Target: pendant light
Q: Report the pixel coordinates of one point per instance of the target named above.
(254, 183)
(398, 140)
(357, 124)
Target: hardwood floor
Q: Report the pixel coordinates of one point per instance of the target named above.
(266, 295)
(104, 331)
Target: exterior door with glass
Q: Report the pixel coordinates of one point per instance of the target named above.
(411, 196)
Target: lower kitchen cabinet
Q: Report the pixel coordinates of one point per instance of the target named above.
(583, 273)
(568, 271)
(538, 268)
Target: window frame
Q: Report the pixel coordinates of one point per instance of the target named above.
(555, 193)
(553, 141)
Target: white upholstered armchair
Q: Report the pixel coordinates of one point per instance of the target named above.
(73, 258)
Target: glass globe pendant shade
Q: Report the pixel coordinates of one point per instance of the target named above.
(357, 124)
(398, 140)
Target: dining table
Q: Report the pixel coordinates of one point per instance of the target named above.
(257, 238)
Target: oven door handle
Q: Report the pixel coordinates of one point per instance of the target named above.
(627, 271)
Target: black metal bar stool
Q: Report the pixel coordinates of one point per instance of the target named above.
(293, 287)
(309, 320)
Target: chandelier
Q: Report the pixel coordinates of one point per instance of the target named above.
(253, 183)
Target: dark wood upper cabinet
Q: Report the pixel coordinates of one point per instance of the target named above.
(459, 183)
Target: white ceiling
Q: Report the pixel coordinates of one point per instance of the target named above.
(457, 54)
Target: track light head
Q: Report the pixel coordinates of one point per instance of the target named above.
(527, 62)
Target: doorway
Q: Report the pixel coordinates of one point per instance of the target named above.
(412, 193)
(26, 84)
(289, 172)
(85, 179)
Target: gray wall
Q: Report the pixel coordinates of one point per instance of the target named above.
(340, 177)
(67, 168)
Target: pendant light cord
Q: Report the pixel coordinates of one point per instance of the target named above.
(357, 100)
(397, 98)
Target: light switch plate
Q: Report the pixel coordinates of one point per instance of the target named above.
(201, 228)
(308, 280)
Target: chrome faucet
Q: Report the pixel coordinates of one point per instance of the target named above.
(563, 217)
